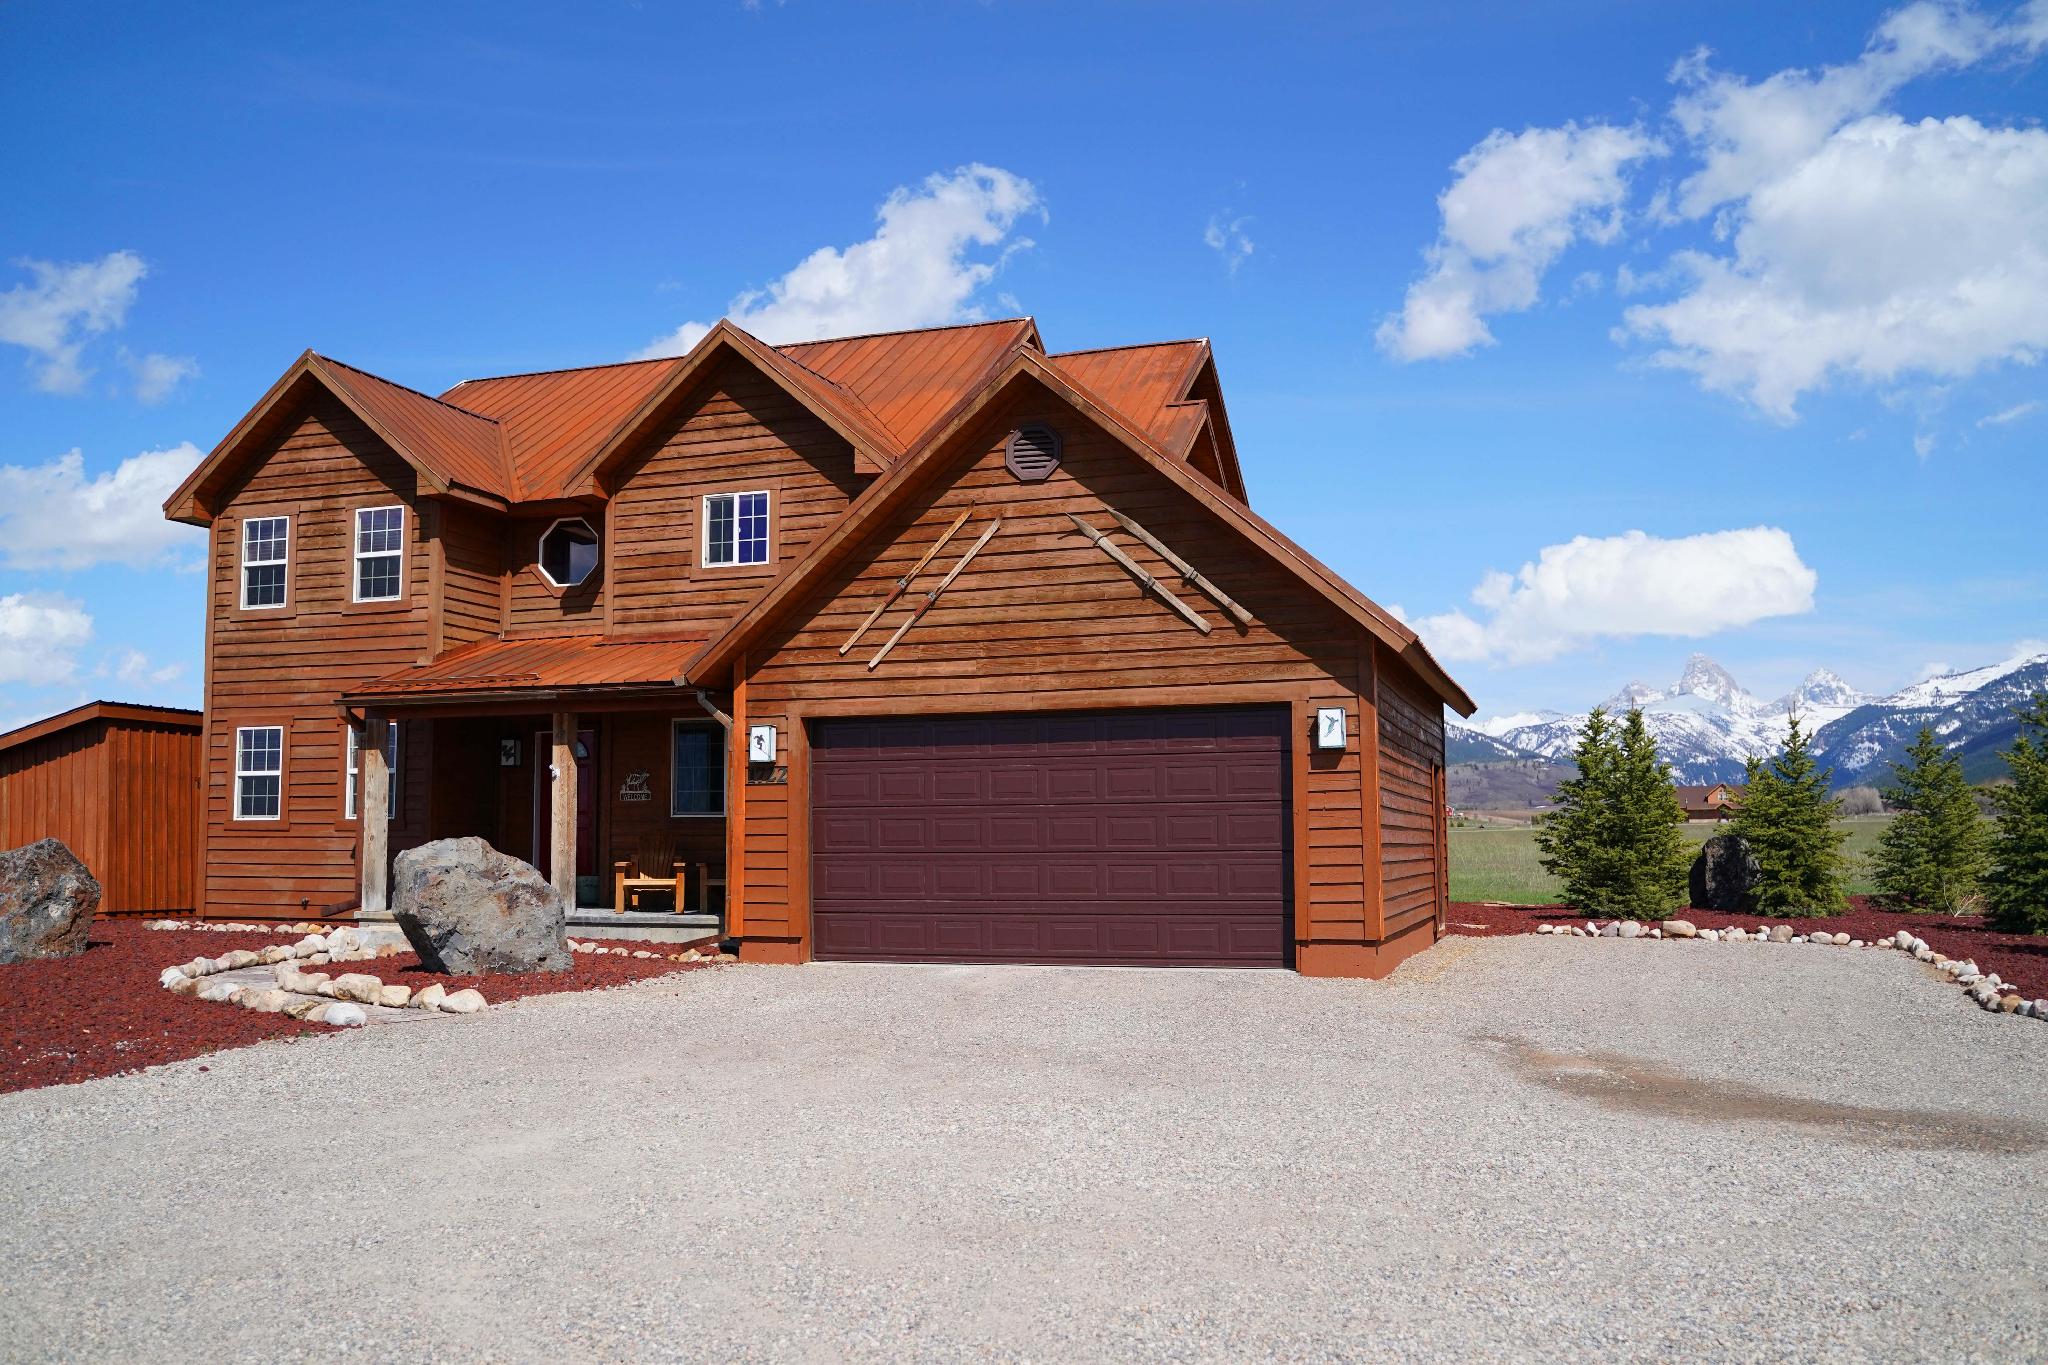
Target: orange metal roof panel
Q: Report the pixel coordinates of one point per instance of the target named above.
(911, 380)
(540, 664)
(1141, 382)
(553, 421)
(463, 447)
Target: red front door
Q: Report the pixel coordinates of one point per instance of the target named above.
(586, 802)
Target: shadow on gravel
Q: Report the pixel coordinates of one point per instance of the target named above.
(1630, 1083)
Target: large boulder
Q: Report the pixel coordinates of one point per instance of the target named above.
(1725, 875)
(467, 908)
(47, 901)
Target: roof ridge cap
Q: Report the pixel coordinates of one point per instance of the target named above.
(909, 331)
(1130, 346)
(561, 369)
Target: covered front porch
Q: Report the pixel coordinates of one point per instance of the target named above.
(581, 757)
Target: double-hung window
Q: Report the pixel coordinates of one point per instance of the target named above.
(259, 772)
(353, 779)
(735, 529)
(380, 553)
(266, 551)
(697, 771)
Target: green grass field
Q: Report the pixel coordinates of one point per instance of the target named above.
(1498, 863)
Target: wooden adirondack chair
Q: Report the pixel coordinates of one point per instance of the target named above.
(653, 867)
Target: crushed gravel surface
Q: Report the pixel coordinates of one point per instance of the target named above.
(1514, 1148)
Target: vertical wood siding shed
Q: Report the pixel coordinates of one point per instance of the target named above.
(119, 784)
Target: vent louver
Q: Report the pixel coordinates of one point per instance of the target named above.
(1033, 453)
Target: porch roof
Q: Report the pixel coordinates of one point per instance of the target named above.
(536, 667)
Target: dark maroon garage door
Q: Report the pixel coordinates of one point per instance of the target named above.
(1137, 837)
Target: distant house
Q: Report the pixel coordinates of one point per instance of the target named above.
(119, 784)
(1713, 801)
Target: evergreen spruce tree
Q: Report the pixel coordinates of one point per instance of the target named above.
(1613, 841)
(1569, 837)
(2016, 886)
(1932, 855)
(1643, 823)
(1789, 822)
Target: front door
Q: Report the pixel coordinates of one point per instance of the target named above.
(586, 802)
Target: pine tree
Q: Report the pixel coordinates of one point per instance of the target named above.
(2016, 886)
(1789, 822)
(1932, 855)
(1613, 841)
(1643, 826)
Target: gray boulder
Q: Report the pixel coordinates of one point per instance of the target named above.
(47, 901)
(1725, 874)
(467, 908)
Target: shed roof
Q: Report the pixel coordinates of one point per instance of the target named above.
(540, 665)
(135, 712)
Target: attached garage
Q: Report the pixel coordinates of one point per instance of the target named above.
(1136, 837)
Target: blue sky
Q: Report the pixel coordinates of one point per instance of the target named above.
(1491, 286)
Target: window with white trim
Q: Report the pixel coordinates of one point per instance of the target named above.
(380, 554)
(259, 772)
(353, 781)
(568, 552)
(266, 552)
(735, 529)
(696, 768)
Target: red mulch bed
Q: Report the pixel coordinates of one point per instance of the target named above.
(2019, 959)
(102, 1012)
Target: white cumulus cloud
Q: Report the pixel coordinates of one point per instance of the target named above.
(2005, 416)
(1894, 249)
(157, 375)
(136, 668)
(40, 636)
(1518, 201)
(1226, 236)
(53, 517)
(1588, 589)
(938, 244)
(64, 304)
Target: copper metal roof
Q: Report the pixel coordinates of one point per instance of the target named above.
(464, 446)
(553, 421)
(911, 380)
(1144, 383)
(138, 712)
(496, 666)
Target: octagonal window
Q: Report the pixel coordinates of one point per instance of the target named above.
(568, 553)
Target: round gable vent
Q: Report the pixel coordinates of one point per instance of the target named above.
(1032, 453)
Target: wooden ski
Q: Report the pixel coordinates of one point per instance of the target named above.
(933, 595)
(1188, 572)
(1137, 571)
(903, 583)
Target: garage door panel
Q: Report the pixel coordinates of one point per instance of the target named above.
(1135, 836)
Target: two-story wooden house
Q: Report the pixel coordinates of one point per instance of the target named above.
(921, 646)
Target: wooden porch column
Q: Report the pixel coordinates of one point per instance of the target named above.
(372, 808)
(562, 825)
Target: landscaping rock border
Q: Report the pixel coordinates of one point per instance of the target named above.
(1985, 988)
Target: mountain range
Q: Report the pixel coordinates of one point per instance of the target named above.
(1708, 727)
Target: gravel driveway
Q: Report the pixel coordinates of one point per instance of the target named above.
(1516, 1147)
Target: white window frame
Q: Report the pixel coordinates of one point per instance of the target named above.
(767, 534)
(242, 773)
(724, 771)
(540, 559)
(247, 563)
(351, 768)
(358, 554)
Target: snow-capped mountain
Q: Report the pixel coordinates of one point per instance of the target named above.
(1707, 726)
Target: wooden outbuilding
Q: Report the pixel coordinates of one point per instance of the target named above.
(926, 646)
(119, 784)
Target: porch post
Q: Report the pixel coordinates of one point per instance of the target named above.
(372, 806)
(562, 826)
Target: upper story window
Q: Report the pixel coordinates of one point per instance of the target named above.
(380, 554)
(735, 529)
(266, 548)
(259, 772)
(568, 552)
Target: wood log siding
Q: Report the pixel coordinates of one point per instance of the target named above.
(1043, 618)
(1411, 754)
(285, 668)
(740, 432)
(474, 588)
